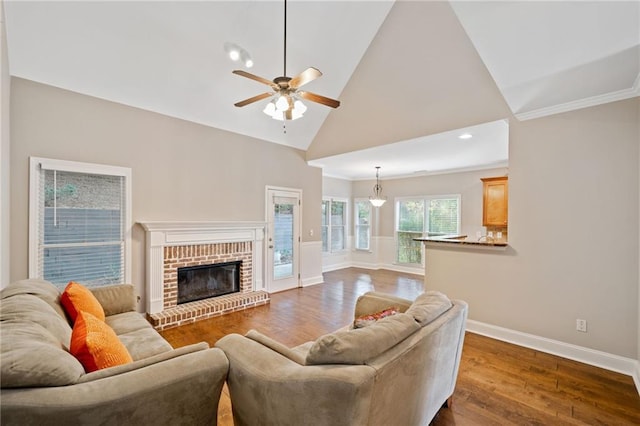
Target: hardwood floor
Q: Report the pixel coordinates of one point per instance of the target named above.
(498, 384)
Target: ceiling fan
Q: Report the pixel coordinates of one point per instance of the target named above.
(286, 102)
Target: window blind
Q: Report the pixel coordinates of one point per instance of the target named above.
(82, 224)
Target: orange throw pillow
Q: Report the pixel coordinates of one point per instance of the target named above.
(76, 298)
(96, 345)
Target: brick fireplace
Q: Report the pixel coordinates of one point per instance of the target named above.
(173, 245)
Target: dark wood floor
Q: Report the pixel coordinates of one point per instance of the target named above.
(498, 384)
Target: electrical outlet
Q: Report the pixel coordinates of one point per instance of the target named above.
(581, 325)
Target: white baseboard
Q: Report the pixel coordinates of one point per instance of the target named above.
(336, 266)
(305, 282)
(404, 269)
(608, 361)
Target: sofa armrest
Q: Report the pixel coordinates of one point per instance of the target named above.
(142, 363)
(269, 388)
(181, 390)
(373, 301)
(116, 298)
(276, 346)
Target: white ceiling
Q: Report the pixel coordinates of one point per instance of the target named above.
(168, 57)
(445, 152)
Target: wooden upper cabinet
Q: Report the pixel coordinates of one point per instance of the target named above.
(495, 201)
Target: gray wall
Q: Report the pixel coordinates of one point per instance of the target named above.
(181, 171)
(573, 234)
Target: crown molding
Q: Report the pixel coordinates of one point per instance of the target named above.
(582, 103)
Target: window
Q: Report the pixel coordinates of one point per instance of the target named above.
(416, 217)
(79, 222)
(334, 225)
(362, 223)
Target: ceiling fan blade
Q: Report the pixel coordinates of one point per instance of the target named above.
(319, 99)
(304, 77)
(253, 99)
(256, 78)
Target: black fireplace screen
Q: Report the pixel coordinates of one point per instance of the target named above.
(204, 281)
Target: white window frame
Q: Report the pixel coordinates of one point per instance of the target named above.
(330, 225)
(35, 166)
(356, 225)
(426, 199)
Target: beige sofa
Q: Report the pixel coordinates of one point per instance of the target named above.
(42, 383)
(398, 371)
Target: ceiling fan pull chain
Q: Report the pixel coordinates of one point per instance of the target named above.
(285, 38)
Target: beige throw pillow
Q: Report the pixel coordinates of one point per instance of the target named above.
(361, 344)
(429, 306)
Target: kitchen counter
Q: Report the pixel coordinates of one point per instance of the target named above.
(463, 241)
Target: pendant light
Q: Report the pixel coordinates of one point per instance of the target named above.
(377, 199)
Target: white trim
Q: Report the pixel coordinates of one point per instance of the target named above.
(636, 376)
(34, 216)
(589, 356)
(80, 167)
(336, 266)
(311, 263)
(582, 103)
(306, 282)
(36, 164)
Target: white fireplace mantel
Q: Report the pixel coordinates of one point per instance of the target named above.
(166, 234)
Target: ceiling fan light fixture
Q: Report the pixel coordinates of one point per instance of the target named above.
(285, 102)
(270, 109)
(299, 107)
(285, 107)
(282, 104)
(377, 199)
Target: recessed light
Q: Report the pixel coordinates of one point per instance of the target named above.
(466, 136)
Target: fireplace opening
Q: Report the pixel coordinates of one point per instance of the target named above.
(204, 281)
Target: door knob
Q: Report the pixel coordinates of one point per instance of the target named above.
(270, 246)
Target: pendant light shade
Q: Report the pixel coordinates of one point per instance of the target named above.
(377, 199)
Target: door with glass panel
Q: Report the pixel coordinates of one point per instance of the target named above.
(283, 239)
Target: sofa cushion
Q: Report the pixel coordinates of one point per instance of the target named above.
(76, 298)
(361, 344)
(429, 306)
(27, 308)
(115, 298)
(144, 343)
(96, 345)
(127, 322)
(31, 356)
(41, 289)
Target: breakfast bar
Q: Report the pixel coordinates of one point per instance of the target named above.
(463, 242)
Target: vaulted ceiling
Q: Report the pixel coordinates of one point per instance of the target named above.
(403, 70)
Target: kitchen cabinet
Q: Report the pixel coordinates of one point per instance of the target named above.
(495, 202)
